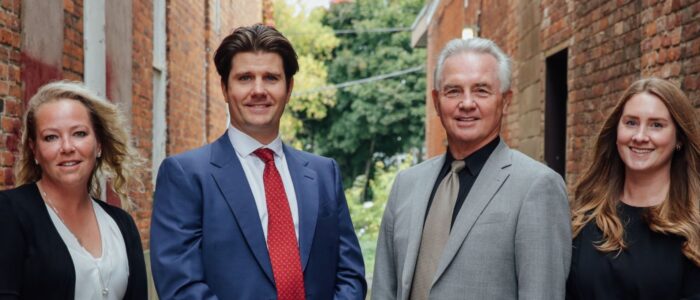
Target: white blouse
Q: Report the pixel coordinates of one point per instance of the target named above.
(104, 277)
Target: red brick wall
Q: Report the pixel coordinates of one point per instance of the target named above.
(231, 15)
(604, 60)
(141, 110)
(446, 24)
(216, 104)
(186, 38)
(10, 89)
(196, 111)
(73, 40)
(610, 44)
(690, 49)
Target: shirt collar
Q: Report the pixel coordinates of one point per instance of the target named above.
(476, 161)
(245, 145)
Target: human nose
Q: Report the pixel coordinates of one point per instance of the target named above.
(640, 136)
(467, 102)
(67, 145)
(258, 87)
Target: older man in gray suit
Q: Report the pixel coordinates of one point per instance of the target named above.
(482, 221)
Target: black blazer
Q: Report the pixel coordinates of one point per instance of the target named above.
(34, 260)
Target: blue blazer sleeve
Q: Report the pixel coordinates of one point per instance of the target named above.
(350, 276)
(176, 235)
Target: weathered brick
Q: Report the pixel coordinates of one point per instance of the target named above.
(193, 91)
(610, 44)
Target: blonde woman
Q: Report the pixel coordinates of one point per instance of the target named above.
(636, 221)
(59, 241)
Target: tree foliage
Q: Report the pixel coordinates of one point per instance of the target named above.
(366, 215)
(372, 121)
(314, 43)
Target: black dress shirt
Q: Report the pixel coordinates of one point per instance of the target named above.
(472, 166)
(651, 268)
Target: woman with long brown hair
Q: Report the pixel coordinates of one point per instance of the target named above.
(636, 210)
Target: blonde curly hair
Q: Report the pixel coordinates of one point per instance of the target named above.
(119, 159)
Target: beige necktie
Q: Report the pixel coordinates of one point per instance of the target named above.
(435, 232)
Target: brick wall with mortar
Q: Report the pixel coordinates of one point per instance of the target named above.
(142, 110)
(610, 44)
(73, 39)
(186, 92)
(26, 62)
(445, 24)
(10, 89)
(221, 21)
(603, 61)
(196, 107)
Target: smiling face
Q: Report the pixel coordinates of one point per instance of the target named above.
(257, 93)
(469, 101)
(65, 144)
(646, 135)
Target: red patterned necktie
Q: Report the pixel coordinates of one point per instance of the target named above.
(281, 239)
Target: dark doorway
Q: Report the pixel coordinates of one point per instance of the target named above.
(555, 113)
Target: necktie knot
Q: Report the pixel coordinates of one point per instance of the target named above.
(265, 154)
(457, 166)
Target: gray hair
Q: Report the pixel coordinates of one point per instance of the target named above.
(475, 45)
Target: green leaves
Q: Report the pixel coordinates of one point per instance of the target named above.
(368, 122)
(389, 113)
(314, 43)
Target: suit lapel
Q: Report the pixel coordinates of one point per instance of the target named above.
(492, 176)
(230, 178)
(419, 205)
(306, 190)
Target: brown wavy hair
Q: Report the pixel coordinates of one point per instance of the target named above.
(119, 158)
(597, 193)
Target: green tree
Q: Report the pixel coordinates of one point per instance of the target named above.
(370, 122)
(314, 43)
(366, 215)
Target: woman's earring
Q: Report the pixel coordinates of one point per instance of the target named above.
(678, 147)
(99, 154)
(36, 162)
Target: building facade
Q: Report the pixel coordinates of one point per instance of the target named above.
(153, 58)
(572, 59)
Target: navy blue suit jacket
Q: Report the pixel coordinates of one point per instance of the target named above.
(207, 241)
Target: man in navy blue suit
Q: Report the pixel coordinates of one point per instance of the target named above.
(248, 217)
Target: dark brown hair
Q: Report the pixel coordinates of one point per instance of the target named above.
(255, 38)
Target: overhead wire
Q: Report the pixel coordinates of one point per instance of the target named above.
(353, 31)
(364, 80)
(358, 81)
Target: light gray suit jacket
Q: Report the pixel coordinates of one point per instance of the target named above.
(510, 240)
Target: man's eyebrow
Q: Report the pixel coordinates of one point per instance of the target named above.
(451, 86)
(482, 84)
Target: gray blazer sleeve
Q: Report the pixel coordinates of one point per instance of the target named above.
(543, 240)
(384, 282)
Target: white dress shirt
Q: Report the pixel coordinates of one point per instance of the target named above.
(253, 167)
(95, 275)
